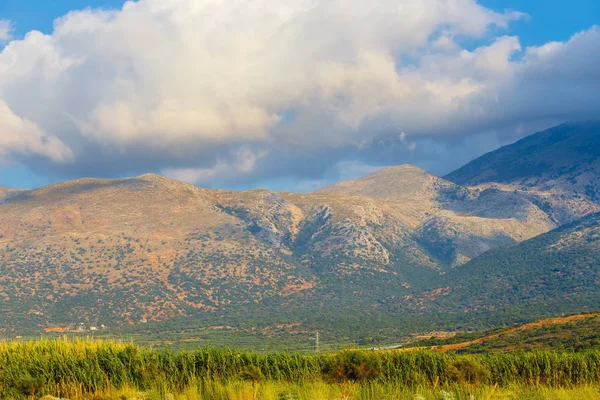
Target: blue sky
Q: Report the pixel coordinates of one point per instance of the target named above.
(549, 20)
(40, 14)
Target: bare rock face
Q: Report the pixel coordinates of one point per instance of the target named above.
(266, 214)
(451, 223)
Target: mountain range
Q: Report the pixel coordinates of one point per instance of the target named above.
(515, 229)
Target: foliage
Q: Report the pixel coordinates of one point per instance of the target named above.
(468, 371)
(63, 367)
(549, 274)
(356, 366)
(573, 333)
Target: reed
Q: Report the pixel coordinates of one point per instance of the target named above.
(78, 368)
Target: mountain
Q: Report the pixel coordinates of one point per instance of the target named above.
(397, 244)
(7, 192)
(558, 271)
(453, 223)
(132, 249)
(152, 248)
(558, 168)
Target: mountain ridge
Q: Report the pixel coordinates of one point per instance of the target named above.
(153, 248)
(157, 249)
(557, 271)
(558, 168)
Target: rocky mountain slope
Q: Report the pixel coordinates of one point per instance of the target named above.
(132, 249)
(559, 169)
(5, 193)
(156, 249)
(151, 248)
(453, 223)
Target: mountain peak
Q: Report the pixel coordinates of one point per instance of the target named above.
(395, 182)
(400, 169)
(569, 146)
(151, 177)
(562, 162)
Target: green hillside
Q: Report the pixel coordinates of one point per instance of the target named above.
(555, 272)
(573, 333)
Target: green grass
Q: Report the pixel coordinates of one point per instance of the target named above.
(99, 370)
(241, 390)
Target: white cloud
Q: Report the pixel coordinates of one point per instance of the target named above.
(244, 163)
(6, 28)
(182, 84)
(24, 137)
(410, 145)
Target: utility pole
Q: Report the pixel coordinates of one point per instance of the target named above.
(317, 342)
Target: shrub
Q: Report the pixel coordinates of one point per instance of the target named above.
(468, 371)
(355, 366)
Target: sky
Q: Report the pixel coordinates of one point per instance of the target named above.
(288, 95)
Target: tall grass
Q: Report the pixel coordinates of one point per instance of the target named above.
(76, 368)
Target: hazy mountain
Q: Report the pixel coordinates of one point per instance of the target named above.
(558, 168)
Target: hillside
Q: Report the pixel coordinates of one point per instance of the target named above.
(132, 249)
(558, 168)
(397, 244)
(453, 223)
(151, 248)
(555, 272)
(7, 192)
(574, 333)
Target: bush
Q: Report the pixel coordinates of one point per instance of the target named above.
(355, 366)
(24, 387)
(468, 371)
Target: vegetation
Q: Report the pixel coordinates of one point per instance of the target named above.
(105, 370)
(573, 333)
(556, 272)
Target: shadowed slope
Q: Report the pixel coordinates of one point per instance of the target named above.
(559, 169)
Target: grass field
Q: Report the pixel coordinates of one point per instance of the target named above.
(98, 370)
(241, 390)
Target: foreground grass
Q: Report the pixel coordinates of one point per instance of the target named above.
(97, 370)
(242, 390)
